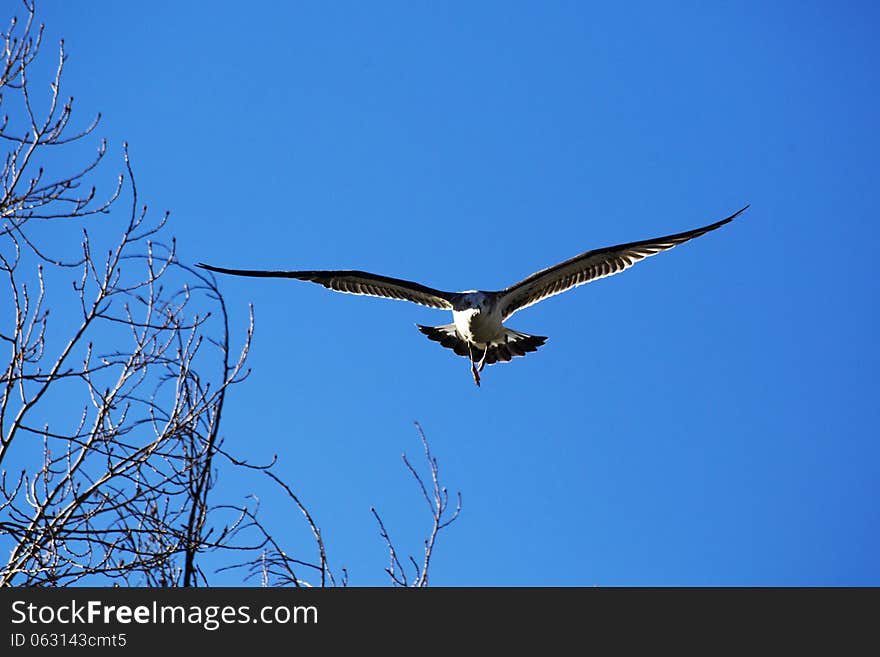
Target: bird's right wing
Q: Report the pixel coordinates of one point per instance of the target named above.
(357, 282)
(590, 266)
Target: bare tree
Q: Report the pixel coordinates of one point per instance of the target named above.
(110, 406)
(114, 398)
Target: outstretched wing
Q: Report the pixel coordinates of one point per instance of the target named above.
(590, 266)
(356, 282)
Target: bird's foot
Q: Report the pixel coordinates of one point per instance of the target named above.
(476, 373)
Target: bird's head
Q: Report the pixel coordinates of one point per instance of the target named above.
(477, 300)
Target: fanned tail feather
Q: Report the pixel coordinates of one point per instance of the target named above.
(504, 350)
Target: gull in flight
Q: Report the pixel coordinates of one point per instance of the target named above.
(477, 330)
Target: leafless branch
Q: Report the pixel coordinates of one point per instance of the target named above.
(442, 515)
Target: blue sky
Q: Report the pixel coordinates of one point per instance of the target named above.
(708, 417)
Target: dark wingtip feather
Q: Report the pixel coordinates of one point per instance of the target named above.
(734, 215)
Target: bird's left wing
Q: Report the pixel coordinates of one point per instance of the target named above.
(590, 266)
(357, 282)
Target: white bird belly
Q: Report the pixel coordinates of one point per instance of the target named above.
(477, 327)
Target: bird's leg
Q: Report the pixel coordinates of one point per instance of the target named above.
(474, 371)
(483, 359)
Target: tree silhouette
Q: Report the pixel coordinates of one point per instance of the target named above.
(111, 405)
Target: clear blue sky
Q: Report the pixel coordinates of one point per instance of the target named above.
(709, 417)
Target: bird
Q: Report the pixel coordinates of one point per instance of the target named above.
(477, 331)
